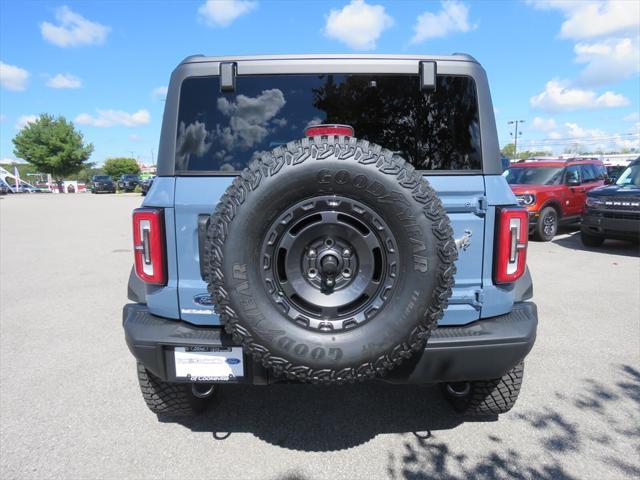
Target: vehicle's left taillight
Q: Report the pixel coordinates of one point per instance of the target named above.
(149, 245)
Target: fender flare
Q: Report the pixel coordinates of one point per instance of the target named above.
(136, 290)
(523, 288)
(555, 203)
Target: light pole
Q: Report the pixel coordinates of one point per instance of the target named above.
(515, 136)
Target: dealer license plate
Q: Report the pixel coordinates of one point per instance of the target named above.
(209, 364)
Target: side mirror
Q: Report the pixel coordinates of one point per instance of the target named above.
(573, 182)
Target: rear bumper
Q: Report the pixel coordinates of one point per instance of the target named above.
(482, 350)
(622, 225)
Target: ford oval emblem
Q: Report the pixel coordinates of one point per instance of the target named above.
(203, 299)
(233, 361)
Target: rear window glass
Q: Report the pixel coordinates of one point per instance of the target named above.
(223, 132)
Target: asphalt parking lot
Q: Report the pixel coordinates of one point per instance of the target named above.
(70, 405)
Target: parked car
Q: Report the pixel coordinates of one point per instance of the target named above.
(4, 189)
(329, 259)
(102, 184)
(128, 183)
(613, 211)
(24, 188)
(554, 191)
(146, 185)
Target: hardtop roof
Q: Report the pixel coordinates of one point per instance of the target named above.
(200, 58)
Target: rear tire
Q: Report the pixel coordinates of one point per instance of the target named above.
(591, 240)
(171, 399)
(489, 397)
(547, 226)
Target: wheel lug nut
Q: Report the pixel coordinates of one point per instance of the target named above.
(329, 282)
(312, 252)
(346, 252)
(311, 273)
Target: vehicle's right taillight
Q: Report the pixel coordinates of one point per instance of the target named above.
(148, 245)
(511, 244)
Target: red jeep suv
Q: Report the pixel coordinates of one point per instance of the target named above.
(554, 191)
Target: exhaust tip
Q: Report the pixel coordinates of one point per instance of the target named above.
(459, 389)
(202, 390)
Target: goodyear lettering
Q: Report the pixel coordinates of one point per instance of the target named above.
(239, 272)
(404, 210)
(303, 350)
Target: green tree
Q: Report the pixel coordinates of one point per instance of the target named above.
(116, 167)
(509, 151)
(88, 171)
(52, 145)
(534, 153)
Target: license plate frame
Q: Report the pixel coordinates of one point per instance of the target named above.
(203, 364)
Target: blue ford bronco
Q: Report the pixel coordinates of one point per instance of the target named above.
(329, 219)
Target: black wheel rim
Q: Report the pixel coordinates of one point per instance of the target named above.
(549, 224)
(329, 263)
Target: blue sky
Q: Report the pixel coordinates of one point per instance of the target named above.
(569, 69)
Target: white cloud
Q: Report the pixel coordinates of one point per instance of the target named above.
(570, 134)
(192, 139)
(358, 24)
(112, 118)
(73, 30)
(249, 118)
(135, 137)
(12, 77)
(3, 117)
(632, 117)
(544, 124)
(608, 61)
(626, 142)
(611, 100)
(573, 130)
(556, 97)
(23, 120)
(222, 13)
(9, 161)
(594, 18)
(452, 18)
(159, 92)
(313, 121)
(64, 80)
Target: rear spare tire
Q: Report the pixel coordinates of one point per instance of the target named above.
(330, 260)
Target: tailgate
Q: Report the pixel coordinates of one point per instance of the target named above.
(462, 195)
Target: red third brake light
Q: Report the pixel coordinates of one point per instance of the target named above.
(511, 246)
(148, 245)
(315, 130)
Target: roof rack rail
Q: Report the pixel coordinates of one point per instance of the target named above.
(191, 57)
(466, 55)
